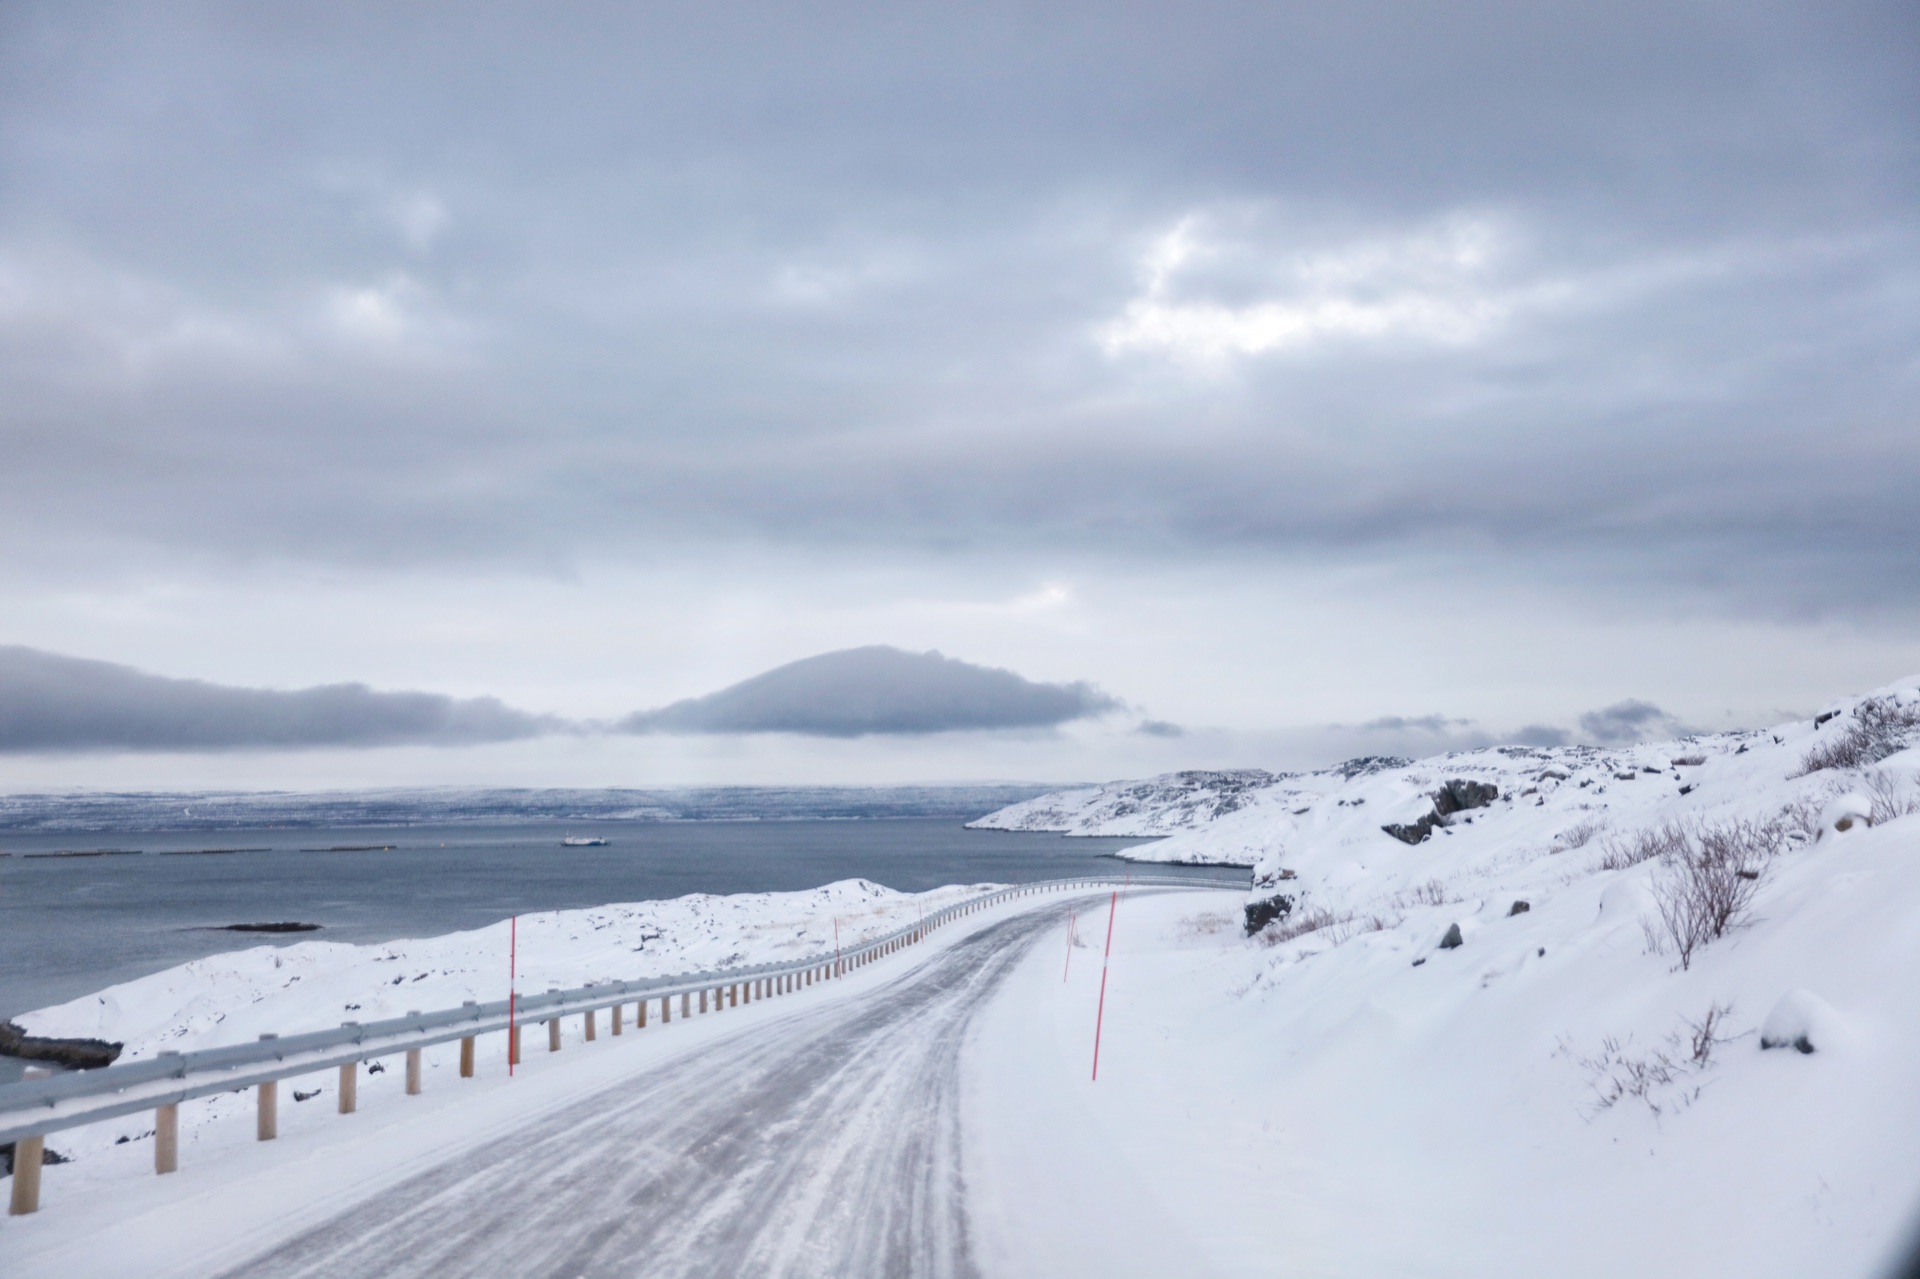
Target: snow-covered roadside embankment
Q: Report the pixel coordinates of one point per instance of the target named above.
(235, 997)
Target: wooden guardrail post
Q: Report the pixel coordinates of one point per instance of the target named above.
(349, 1082)
(166, 1131)
(413, 1064)
(466, 1046)
(553, 1034)
(166, 1139)
(640, 1015)
(266, 1120)
(733, 995)
(28, 1153)
(686, 1002)
(619, 1014)
(703, 1002)
(590, 1019)
(513, 1045)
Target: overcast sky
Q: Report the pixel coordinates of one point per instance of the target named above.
(1269, 382)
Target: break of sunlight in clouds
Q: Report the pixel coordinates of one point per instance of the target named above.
(1437, 285)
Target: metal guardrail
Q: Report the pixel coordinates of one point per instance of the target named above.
(36, 1107)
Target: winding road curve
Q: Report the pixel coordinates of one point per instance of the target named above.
(824, 1142)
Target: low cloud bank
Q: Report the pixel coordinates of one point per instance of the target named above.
(877, 690)
(49, 703)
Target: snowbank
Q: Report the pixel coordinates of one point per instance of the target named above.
(1550, 1098)
(235, 997)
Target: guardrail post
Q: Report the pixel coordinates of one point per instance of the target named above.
(266, 1124)
(413, 1063)
(619, 1014)
(640, 1015)
(686, 1002)
(590, 1020)
(513, 1045)
(349, 1082)
(27, 1155)
(703, 1002)
(166, 1131)
(466, 1046)
(553, 1034)
(733, 995)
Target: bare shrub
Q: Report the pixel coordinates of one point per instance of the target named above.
(1337, 927)
(1689, 761)
(1310, 920)
(1709, 883)
(1431, 893)
(1799, 819)
(1880, 726)
(1661, 1078)
(1578, 836)
(1643, 845)
(1704, 1035)
(1205, 924)
(1891, 797)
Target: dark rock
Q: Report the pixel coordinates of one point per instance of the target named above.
(1519, 908)
(1543, 952)
(1370, 764)
(1267, 910)
(1413, 832)
(1420, 961)
(1686, 790)
(1818, 720)
(1742, 750)
(48, 1155)
(1458, 795)
(69, 1054)
(306, 1096)
(376, 1068)
(1799, 1043)
(1453, 940)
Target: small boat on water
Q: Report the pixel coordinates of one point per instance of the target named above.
(582, 841)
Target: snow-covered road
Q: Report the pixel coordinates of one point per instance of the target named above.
(820, 1142)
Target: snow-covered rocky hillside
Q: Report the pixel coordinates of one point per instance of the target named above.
(1333, 823)
(1642, 1011)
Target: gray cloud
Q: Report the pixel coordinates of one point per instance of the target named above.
(421, 287)
(1541, 735)
(52, 703)
(1629, 721)
(1159, 728)
(1417, 723)
(876, 690)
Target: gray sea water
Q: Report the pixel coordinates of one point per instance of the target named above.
(73, 924)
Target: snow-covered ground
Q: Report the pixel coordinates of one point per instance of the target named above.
(234, 997)
(1344, 1094)
(1486, 1045)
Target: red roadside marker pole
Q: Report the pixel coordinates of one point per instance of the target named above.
(513, 975)
(1101, 1016)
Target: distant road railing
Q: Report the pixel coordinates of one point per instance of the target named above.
(34, 1107)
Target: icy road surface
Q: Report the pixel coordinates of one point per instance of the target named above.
(824, 1142)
